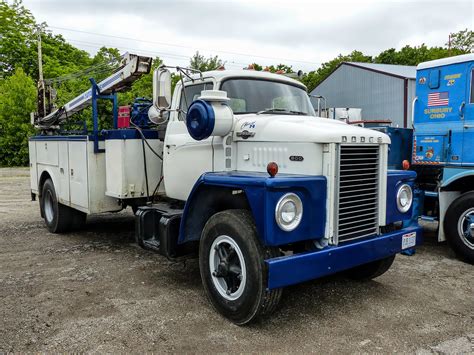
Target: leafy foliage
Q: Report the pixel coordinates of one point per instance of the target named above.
(17, 99)
(462, 41)
(280, 68)
(16, 38)
(201, 63)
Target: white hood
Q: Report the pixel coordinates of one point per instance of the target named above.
(286, 128)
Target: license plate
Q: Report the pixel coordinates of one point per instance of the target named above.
(408, 240)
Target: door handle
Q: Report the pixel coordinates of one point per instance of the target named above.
(461, 110)
(468, 126)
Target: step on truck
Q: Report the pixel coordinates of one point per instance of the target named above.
(443, 148)
(236, 169)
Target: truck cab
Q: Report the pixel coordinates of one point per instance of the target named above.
(251, 182)
(443, 142)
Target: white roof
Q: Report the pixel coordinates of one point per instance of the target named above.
(404, 71)
(445, 61)
(220, 75)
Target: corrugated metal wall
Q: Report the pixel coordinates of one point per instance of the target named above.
(379, 96)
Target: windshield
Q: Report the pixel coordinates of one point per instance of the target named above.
(264, 96)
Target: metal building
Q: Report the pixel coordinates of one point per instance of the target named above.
(382, 91)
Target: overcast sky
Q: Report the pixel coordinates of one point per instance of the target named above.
(300, 33)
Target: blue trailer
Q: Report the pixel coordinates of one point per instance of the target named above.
(443, 148)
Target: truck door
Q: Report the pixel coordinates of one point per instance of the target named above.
(466, 111)
(185, 159)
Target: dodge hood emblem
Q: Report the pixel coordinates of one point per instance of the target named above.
(245, 134)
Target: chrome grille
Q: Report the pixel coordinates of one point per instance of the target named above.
(357, 194)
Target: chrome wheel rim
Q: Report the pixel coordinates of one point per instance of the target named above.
(48, 206)
(227, 268)
(464, 227)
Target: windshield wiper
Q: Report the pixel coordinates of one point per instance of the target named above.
(282, 111)
(273, 110)
(298, 113)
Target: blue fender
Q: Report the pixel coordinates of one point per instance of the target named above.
(262, 193)
(395, 178)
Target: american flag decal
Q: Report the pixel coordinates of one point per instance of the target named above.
(438, 99)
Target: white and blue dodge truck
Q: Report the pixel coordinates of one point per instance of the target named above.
(236, 168)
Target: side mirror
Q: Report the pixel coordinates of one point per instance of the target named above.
(162, 88)
(161, 96)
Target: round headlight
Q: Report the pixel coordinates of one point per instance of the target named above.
(288, 212)
(404, 198)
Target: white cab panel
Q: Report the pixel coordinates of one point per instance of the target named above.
(185, 160)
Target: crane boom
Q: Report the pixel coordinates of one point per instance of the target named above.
(132, 68)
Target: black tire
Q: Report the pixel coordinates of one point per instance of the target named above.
(78, 219)
(58, 218)
(455, 221)
(254, 299)
(371, 270)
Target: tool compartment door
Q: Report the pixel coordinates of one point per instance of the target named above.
(78, 184)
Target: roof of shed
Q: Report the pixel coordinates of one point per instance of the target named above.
(397, 71)
(403, 71)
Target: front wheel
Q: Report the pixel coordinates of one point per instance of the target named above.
(459, 226)
(233, 269)
(371, 270)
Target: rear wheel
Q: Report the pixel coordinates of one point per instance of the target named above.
(233, 269)
(459, 226)
(58, 218)
(371, 270)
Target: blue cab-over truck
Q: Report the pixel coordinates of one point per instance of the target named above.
(443, 149)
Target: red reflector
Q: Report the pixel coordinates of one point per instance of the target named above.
(405, 165)
(272, 168)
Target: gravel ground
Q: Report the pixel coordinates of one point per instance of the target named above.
(95, 290)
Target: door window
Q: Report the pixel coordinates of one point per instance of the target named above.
(434, 79)
(189, 94)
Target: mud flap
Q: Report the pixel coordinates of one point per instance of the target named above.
(445, 200)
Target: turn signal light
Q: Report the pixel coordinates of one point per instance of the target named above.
(272, 169)
(405, 165)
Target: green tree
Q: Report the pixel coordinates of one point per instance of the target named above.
(199, 62)
(17, 100)
(17, 26)
(409, 55)
(462, 41)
